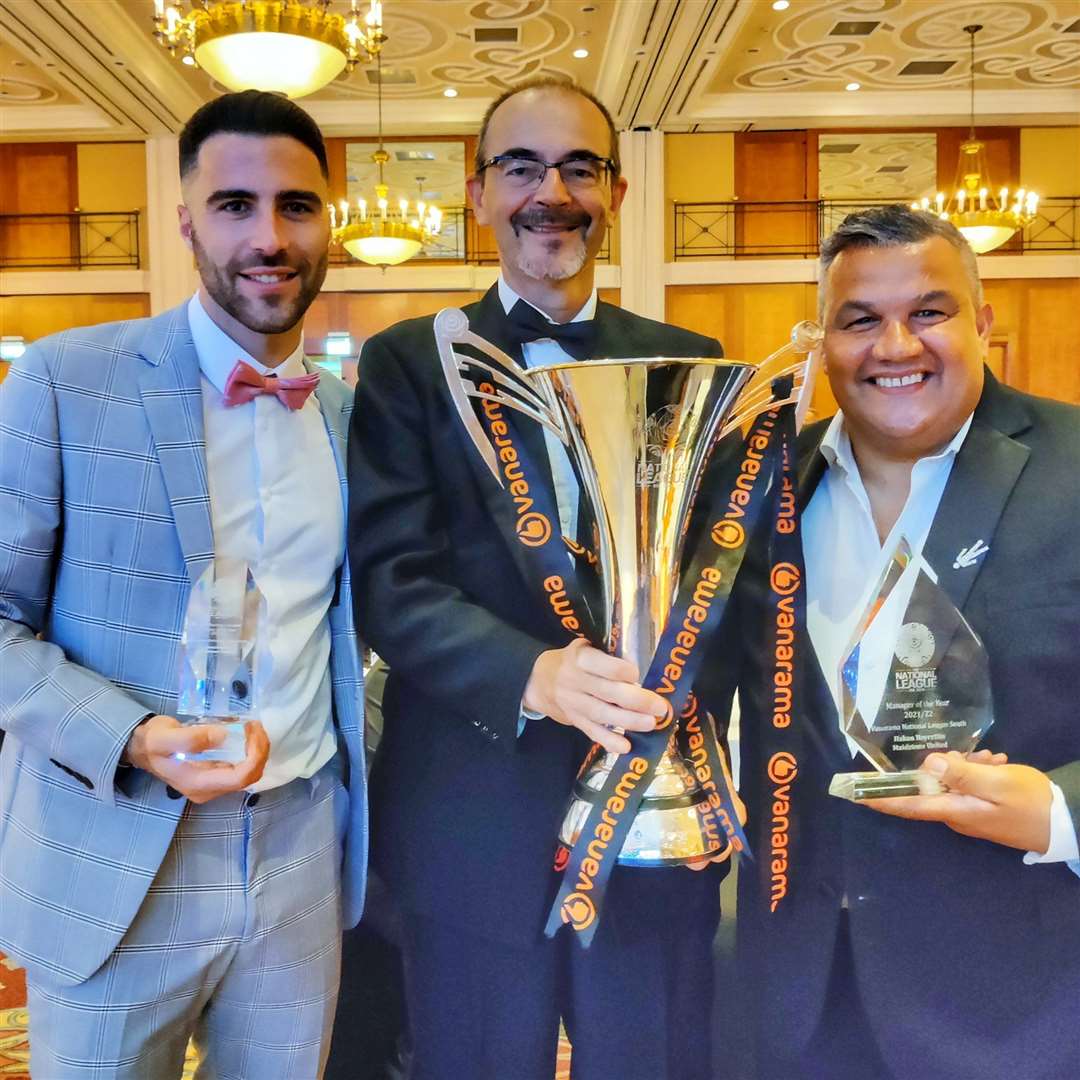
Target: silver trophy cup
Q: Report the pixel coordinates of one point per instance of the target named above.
(638, 434)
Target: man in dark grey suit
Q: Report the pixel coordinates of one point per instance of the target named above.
(908, 949)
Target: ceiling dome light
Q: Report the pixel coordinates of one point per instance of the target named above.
(853, 86)
(450, 92)
(581, 54)
(292, 47)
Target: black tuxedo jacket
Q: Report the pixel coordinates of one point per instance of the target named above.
(465, 814)
(967, 961)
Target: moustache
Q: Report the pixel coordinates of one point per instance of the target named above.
(259, 262)
(531, 219)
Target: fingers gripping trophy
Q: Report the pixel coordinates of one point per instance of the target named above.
(638, 434)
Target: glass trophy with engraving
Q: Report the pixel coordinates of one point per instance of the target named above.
(218, 654)
(914, 679)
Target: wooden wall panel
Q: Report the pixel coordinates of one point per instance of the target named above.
(1035, 319)
(775, 166)
(38, 178)
(35, 316)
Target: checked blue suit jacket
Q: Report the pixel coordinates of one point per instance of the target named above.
(104, 525)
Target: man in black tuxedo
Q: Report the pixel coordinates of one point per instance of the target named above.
(907, 949)
(488, 711)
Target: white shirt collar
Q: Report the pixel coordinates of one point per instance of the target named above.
(218, 353)
(837, 451)
(509, 298)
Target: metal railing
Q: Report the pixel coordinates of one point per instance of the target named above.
(462, 240)
(795, 229)
(73, 241)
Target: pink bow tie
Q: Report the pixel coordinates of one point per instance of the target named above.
(245, 383)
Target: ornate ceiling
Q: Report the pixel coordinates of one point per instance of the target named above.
(89, 69)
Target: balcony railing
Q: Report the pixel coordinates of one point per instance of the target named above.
(74, 241)
(795, 229)
(462, 240)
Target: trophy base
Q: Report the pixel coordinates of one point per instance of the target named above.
(231, 751)
(883, 785)
(672, 825)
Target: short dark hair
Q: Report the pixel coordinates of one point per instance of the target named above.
(549, 82)
(250, 112)
(892, 226)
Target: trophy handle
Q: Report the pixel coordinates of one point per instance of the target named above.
(757, 397)
(513, 387)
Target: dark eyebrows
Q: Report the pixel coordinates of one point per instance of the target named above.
(570, 155)
(934, 297)
(293, 195)
(850, 306)
(228, 195)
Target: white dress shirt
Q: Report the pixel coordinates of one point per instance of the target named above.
(540, 353)
(844, 563)
(275, 503)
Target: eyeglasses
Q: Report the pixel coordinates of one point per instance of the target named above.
(577, 173)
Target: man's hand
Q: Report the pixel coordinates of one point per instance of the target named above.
(1008, 804)
(153, 746)
(594, 692)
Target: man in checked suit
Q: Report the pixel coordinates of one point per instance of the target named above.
(946, 947)
(152, 897)
(488, 712)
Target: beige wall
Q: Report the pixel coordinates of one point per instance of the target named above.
(33, 317)
(112, 176)
(697, 168)
(1050, 160)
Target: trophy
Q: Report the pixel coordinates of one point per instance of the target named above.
(218, 655)
(936, 690)
(638, 434)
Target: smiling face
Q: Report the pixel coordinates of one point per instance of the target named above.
(546, 234)
(905, 343)
(254, 216)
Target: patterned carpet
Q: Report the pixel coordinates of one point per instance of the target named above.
(15, 1050)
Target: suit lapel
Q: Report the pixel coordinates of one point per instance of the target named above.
(172, 401)
(983, 476)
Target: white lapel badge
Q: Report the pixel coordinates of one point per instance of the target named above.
(969, 556)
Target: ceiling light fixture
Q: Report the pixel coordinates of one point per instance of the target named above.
(450, 92)
(581, 54)
(385, 237)
(293, 47)
(985, 217)
(781, 5)
(853, 86)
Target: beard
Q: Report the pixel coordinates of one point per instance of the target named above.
(563, 256)
(266, 315)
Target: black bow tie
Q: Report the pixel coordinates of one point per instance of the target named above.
(526, 324)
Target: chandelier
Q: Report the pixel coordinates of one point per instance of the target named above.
(294, 47)
(985, 217)
(375, 232)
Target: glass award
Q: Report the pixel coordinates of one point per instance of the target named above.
(218, 655)
(934, 679)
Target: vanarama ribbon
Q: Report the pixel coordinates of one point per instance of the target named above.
(785, 670)
(699, 607)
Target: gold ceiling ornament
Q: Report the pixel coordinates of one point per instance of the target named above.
(375, 232)
(293, 47)
(986, 217)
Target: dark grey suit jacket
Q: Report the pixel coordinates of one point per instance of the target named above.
(967, 961)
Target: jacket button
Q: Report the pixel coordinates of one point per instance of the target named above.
(173, 793)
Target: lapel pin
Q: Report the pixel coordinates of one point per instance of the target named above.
(970, 556)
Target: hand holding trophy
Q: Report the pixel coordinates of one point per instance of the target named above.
(218, 655)
(936, 692)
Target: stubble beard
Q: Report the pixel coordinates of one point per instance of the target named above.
(272, 315)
